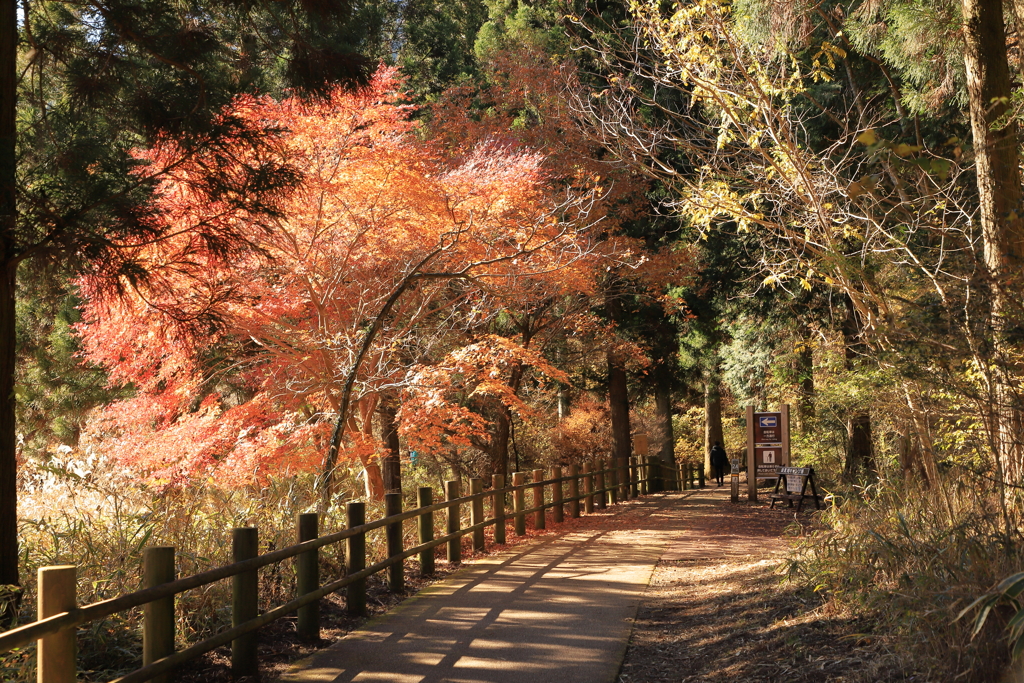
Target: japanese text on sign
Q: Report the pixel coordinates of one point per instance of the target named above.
(768, 428)
(767, 461)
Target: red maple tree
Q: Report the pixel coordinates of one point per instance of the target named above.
(243, 361)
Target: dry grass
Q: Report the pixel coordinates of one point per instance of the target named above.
(908, 561)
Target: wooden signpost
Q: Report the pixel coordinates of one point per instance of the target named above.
(796, 479)
(767, 446)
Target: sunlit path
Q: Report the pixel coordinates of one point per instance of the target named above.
(560, 610)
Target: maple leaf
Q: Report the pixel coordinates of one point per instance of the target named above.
(241, 359)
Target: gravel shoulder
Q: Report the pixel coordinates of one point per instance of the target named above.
(717, 609)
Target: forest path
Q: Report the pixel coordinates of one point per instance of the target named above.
(558, 610)
(717, 611)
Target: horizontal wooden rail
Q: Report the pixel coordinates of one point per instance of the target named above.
(97, 610)
(167, 663)
(49, 626)
(24, 635)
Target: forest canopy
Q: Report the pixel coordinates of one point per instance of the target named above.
(357, 247)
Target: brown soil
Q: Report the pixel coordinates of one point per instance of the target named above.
(717, 609)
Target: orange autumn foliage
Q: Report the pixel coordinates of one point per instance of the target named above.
(441, 404)
(585, 431)
(238, 356)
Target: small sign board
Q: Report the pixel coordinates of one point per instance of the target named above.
(640, 445)
(768, 428)
(797, 480)
(768, 460)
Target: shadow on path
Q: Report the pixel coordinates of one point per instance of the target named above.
(559, 610)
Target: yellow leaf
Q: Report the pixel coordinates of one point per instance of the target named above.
(868, 138)
(903, 149)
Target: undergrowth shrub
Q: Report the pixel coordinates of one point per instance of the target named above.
(910, 560)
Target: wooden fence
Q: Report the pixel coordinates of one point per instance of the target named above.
(58, 616)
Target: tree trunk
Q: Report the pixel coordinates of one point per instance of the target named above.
(389, 435)
(805, 377)
(910, 453)
(8, 449)
(618, 401)
(563, 402)
(860, 458)
(499, 442)
(374, 481)
(8, 267)
(995, 148)
(664, 438)
(925, 451)
(503, 423)
(563, 389)
(712, 421)
(999, 195)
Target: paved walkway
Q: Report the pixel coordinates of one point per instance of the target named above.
(558, 610)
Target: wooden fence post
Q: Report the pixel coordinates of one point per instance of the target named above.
(244, 602)
(425, 522)
(476, 513)
(519, 502)
(700, 475)
(55, 655)
(556, 496)
(686, 476)
(393, 531)
(588, 489)
(451, 492)
(355, 559)
(645, 474)
(623, 474)
(574, 491)
(669, 481)
(612, 480)
(539, 517)
(158, 616)
(634, 483)
(307, 578)
(498, 507)
(602, 496)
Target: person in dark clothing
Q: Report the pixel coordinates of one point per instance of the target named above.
(719, 461)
